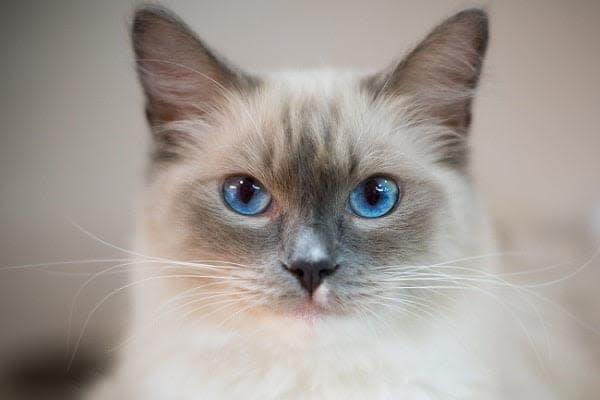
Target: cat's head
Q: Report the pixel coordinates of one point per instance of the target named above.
(308, 193)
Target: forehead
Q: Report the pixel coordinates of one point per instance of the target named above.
(306, 134)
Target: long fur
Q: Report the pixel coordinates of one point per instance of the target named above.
(418, 308)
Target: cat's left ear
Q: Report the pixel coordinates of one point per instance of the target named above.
(439, 77)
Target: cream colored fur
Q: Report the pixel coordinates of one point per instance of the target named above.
(476, 337)
(471, 351)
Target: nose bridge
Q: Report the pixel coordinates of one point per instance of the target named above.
(310, 256)
(310, 243)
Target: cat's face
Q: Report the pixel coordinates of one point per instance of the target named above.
(307, 194)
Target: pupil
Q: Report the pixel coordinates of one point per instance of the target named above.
(246, 190)
(372, 192)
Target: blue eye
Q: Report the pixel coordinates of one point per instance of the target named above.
(374, 197)
(245, 195)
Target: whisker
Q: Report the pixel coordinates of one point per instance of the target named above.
(120, 289)
(58, 263)
(98, 274)
(570, 275)
(226, 302)
(136, 254)
(503, 305)
(162, 312)
(241, 310)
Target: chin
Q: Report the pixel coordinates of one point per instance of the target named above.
(311, 312)
(319, 306)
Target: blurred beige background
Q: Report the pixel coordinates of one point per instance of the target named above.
(73, 136)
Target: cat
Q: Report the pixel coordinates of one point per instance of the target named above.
(315, 235)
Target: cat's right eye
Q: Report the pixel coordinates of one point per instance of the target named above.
(245, 195)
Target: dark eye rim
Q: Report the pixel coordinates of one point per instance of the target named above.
(399, 184)
(245, 175)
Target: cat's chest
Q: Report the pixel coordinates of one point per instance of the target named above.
(212, 367)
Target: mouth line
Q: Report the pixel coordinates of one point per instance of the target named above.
(311, 308)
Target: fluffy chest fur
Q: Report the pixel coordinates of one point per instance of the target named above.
(352, 359)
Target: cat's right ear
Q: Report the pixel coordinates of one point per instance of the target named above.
(180, 76)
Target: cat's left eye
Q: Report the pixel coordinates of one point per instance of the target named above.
(374, 197)
(245, 195)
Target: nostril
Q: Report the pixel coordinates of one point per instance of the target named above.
(298, 272)
(323, 273)
(310, 274)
